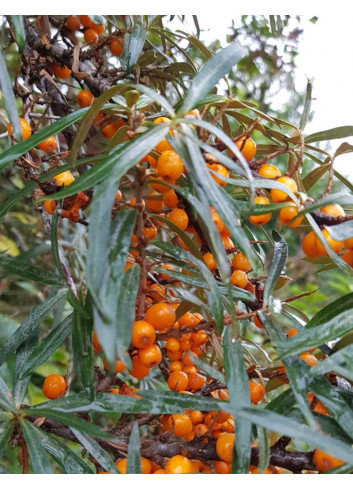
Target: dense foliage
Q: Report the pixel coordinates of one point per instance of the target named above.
(149, 199)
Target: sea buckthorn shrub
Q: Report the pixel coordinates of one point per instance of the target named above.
(175, 234)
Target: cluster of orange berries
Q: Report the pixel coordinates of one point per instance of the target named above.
(72, 205)
(313, 248)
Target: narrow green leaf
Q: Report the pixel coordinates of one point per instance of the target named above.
(316, 335)
(19, 30)
(72, 421)
(14, 266)
(127, 296)
(37, 314)
(344, 303)
(133, 49)
(289, 427)
(307, 105)
(97, 452)
(239, 397)
(264, 449)
(9, 98)
(55, 248)
(22, 354)
(46, 347)
(164, 403)
(280, 253)
(209, 75)
(6, 398)
(37, 453)
(82, 349)
(70, 461)
(335, 133)
(314, 176)
(6, 428)
(133, 454)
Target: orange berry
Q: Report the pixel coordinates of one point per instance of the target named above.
(335, 245)
(121, 465)
(200, 429)
(26, 130)
(333, 210)
(262, 218)
(64, 178)
(157, 292)
(150, 232)
(143, 334)
(95, 342)
(348, 243)
(287, 216)
(99, 28)
(48, 145)
(161, 316)
(84, 98)
(151, 356)
(210, 261)
(150, 160)
(292, 332)
(196, 416)
(348, 257)
(154, 205)
(170, 166)
(91, 36)
(54, 386)
(199, 338)
(247, 147)
(309, 359)
(178, 381)
(278, 195)
(118, 195)
(227, 242)
(49, 206)
(195, 381)
(239, 279)
(163, 145)
(170, 199)
(323, 461)
(269, 171)
(175, 366)
(181, 424)
(221, 467)
(309, 245)
(240, 262)
(116, 46)
(178, 464)
(60, 72)
(225, 446)
(86, 20)
(173, 344)
(187, 360)
(221, 170)
(258, 323)
(164, 276)
(174, 355)
(73, 23)
(188, 369)
(159, 471)
(188, 319)
(257, 392)
(108, 130)
(217, 220)
(138, 370)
